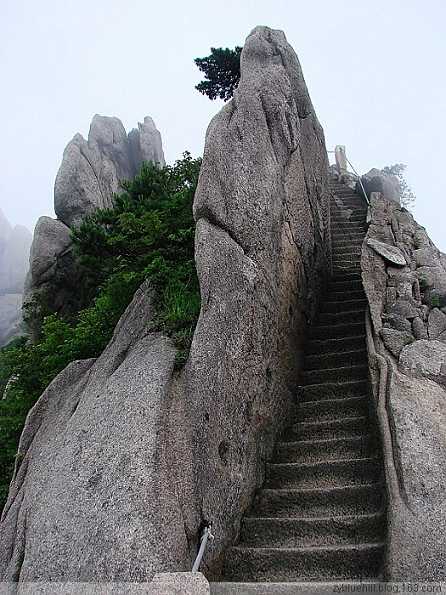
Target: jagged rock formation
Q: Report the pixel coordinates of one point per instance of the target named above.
(14, 255)
(404, 277)
(81, 505)
(92, 169)
(89, 175)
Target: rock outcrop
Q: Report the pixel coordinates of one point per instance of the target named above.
(88, 177)
(92, 169)
(404, 277)
(262, 252)
(122, 460)
(14, 256)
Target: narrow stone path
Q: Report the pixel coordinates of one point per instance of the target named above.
(320, 514)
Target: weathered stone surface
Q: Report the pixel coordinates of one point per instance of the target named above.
(51, 239)
(88, 177)
(377, 181)
(436, 323)
(426, 359)
(390, 253)
(261, 250)
(179, 583)
(417, 530)
(395, 340)
(93, 498)
(397, 322)
(415, 399)
(91, 170)
(419, 329)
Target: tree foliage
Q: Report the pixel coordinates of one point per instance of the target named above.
(407, 195)
(222, 72)
(149, 233)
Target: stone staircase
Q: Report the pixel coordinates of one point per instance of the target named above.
(320, 515)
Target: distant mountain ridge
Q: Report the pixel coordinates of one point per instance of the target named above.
(15, 243)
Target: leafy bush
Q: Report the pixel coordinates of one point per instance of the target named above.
(149, 233)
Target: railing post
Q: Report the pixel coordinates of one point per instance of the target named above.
(341, 160)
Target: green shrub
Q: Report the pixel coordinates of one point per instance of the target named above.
(149, 233)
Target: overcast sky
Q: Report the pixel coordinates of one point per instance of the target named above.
(375, 71)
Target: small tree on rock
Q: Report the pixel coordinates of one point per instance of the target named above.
(221, 72)
(407, 194)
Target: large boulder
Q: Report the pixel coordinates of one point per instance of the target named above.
(404, 277)
(378, 181)
(262, 248)
(92, 169)
(92, 482)
(123, 459)
(89, 175)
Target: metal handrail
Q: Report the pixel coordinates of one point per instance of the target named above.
(356, 174)
(359, 179)
(206, 535)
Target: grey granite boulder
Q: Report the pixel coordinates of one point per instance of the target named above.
(94, 492)
(390, 253)
(262, 247)
(378, 181)
(89, 175)
(92, 169)
(408, 323)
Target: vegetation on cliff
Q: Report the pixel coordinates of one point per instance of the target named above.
(149, 233)
(221, 72)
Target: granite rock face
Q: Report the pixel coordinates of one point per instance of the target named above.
(408, 329)
(92, 169)
(122, 459)
(14, 256)
(262, 247)
(386, 184)
(93, 482)
(87, 179)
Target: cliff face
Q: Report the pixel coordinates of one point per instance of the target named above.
(14, 256)
(404, 277)
(121, 459)
(89, 175)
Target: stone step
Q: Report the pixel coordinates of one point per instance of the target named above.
(332, 390)
(347, 236)
(346, 500)
(320, 346)
(334, 359)
(347, 229)
(292, 588)
(346, 266)
(341, 242)
(330, 409)
(346, 285)
(356, 561)
(323, 474)
(345, 305)
(321, 331)
(346, 277)
(341, 427)
(305, 451)
(336, 374)
(339, 296)
(341, 317)
(347, 249)
(346, 256)
(301, 532)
